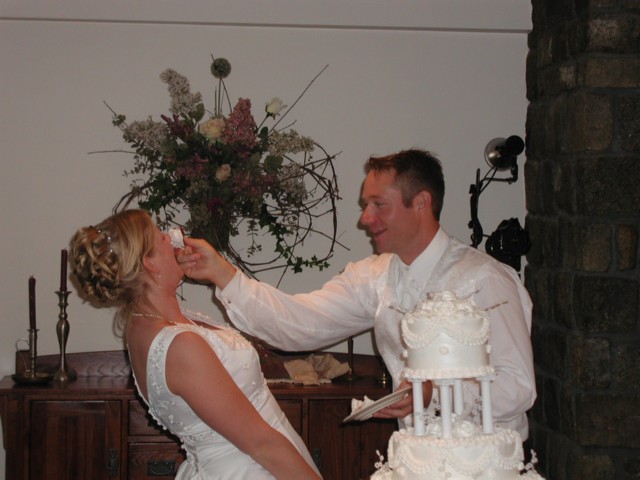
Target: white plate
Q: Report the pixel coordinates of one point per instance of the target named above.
(366, 412)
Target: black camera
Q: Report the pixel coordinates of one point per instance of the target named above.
(509, 242)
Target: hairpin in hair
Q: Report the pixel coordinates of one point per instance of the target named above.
(107, 238)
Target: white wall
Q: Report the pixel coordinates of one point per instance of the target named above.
(446, 75)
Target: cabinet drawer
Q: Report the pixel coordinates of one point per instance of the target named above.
(293, 410)
(154, 460)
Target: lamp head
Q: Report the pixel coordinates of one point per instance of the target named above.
(501, 153)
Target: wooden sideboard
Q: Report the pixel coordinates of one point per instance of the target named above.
(96, 427)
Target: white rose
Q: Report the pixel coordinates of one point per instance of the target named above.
(212, 128)
(274, 106)
(223, 172)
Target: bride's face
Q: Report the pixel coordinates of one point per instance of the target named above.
(163, 256)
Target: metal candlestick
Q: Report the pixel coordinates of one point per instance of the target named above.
(31, 376)
(384, 377)
(64, 373)
(351, 375)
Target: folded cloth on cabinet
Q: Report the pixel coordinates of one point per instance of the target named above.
(315, 369)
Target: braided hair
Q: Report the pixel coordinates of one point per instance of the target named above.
(107, 258)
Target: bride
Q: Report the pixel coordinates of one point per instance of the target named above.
(200, 381)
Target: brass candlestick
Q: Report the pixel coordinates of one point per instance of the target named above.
(64, 373)
(351, 375)
(384, 377)
(31, 376)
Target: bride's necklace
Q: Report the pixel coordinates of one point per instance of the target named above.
(160, 317)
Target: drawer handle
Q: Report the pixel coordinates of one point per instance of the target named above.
(161, 468)
(112, 463)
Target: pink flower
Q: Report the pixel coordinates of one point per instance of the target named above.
(192, 168)
(241, 128)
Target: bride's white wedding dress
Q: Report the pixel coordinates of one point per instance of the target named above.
(209, 454)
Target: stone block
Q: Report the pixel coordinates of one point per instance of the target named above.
(576, 37)
(538, 188)
(606, 72)
(548, 81)
(605, 304)
(531, 74)
(605, 421)
(627, 361)
(559, 462)
(536, 414)
(544, 241)
(591, 466)
(614, 33)
(629, 122)
(586, 5)
(562, 300)
(627, 247)
(567, 74)
(591, 127)
(593, 243)
(589, 363)
(545, 129)
(539, 284)
(586, 246)
(551, 404)
(564, 186)
(631, 465)
(550, 349)
(555, 79)
(544, 50)
(609, 186)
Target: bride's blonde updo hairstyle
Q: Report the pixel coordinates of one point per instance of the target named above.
(107, 258)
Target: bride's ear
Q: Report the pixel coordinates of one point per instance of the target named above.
(149, 266)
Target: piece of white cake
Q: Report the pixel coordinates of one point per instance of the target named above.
(177, 239)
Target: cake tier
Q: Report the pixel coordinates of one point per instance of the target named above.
(447, 358)
(496, 456)
(446, 337)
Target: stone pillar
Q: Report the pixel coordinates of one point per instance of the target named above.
(582, 178)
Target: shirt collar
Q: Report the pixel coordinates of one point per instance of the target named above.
(422, 267)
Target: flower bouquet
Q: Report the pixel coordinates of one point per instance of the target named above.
(221, 175)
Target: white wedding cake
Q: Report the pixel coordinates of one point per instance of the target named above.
(447, 342)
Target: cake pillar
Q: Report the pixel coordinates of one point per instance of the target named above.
(446, 407)
(418, 408)
(458, 401)
(487, 414)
